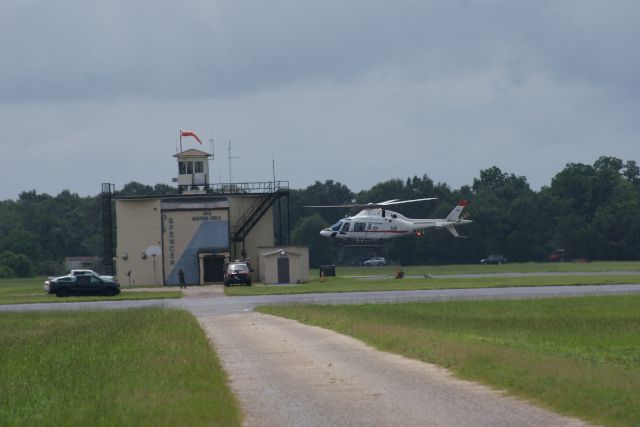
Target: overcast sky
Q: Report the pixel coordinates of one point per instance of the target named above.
(356, 91)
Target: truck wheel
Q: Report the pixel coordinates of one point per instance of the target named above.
(61, 293)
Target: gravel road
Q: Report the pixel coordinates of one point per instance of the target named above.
(288, 374)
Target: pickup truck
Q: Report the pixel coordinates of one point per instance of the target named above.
(91, 273)
(81, 285)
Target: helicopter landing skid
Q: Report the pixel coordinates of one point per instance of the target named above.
(354, 243)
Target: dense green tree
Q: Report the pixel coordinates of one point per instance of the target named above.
(632, 172)
(134, 188)
(589, 211)
(19, 264)
(6, 272)
(307, 233)
(319, 194)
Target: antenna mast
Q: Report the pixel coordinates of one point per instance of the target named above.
(273, 168)
(213, 158)
(231, 157)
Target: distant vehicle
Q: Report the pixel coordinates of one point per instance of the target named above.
(557, 256)
(91, 273)
(81, 285)
(375, 262)
(494, 259)
(237, 272)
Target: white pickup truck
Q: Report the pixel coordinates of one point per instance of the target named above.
(91, 273)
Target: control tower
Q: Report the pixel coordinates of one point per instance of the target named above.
(193, 171)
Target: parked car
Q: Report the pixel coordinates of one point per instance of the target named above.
(494, 259)
(377, 261)
(81, 285)
(237, 272)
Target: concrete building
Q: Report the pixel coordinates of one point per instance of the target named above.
(195, 231)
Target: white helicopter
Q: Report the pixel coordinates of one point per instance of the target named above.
(375, 222)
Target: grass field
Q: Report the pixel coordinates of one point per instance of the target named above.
(26, 291)
(357, 279)
(360, 279)
(147, 367)
(578, 356)
(523, 267)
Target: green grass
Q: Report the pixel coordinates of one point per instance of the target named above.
(361, 284)
(28, 291)
(578, 356)
(149, 367)
(523, 267)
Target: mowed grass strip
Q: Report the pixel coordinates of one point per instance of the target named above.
(29, 291)
(362, 284)
(578, 356)
(516, 267)
(148, 367)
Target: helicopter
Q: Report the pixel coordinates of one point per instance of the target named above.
(375, 222)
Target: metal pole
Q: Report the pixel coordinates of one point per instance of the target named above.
(288, 219)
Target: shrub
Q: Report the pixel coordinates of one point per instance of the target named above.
(6, 272)
(19, 263)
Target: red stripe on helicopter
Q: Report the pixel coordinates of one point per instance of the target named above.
(386, 231)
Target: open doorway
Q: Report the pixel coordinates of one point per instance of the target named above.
(212, 268)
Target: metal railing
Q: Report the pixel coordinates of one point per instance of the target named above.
(265, 187)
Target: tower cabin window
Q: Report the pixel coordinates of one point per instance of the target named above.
(187, 168)
(199, 167)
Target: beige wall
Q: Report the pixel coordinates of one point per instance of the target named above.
(262, 235)
(139, 227)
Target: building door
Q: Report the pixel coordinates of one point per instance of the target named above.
(213, 266)
(283, 270)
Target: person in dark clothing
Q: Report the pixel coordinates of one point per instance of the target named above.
(181, 279)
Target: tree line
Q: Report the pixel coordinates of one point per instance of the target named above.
(588, 212)
(37, 231)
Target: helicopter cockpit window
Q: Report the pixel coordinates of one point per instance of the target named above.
(359, 226)
(345, 227)
(336, 226)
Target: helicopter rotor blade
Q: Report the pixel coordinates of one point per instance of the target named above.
(373, 205)
(398, 202)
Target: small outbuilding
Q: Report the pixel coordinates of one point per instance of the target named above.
(287, 264)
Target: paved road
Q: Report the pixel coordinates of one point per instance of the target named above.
(288, 374)
(215, 303)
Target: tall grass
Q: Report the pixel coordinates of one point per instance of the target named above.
(579, 356)
(149, 367)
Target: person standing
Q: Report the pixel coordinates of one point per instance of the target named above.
(181, 279)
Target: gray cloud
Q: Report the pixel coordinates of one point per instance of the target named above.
(356, 91)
